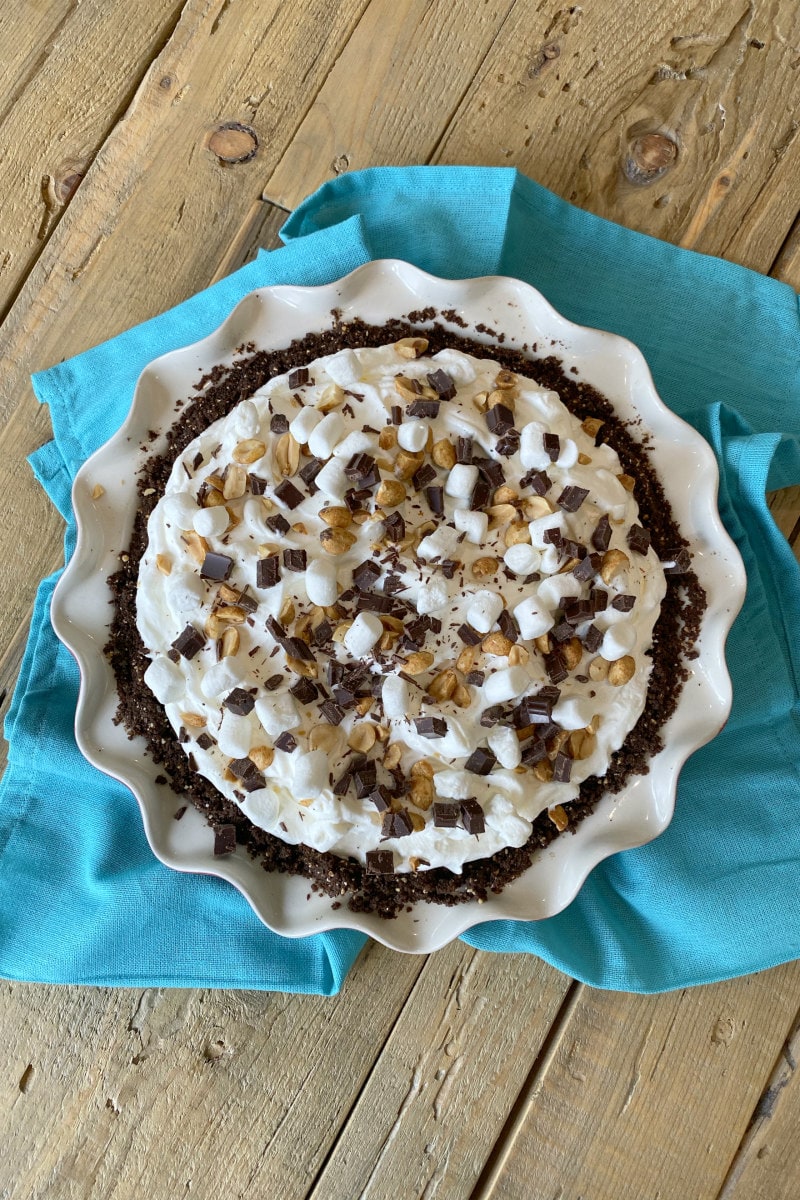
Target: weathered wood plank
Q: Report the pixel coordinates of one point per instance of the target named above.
(48, 131)
(10, 661)
(388, 99)
(647, 1096)
(258, 231)
(767, 1164)
(124, 1094)
(450, 1073)
(154, 216)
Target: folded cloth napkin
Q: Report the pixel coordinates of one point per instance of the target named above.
(717, 895)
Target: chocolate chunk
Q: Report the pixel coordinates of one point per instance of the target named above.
(216, 566)
(396, 824)
(189, 641)
(472, 816)
(278, 523)
(552, 537)
(425, 475)
(239, 702)
(395, 527)
(380, 862)
(676, 561)
(224, 840)
(205, 741)
(572, 549)
(374, 602)
(423, 408)
(539, 481)
(274, 682)
(445, 816)
(552, 445)
(397, 414)
(499, 419)
(343, 696)
(286, 741)
(577, 610)
(534, 752)
(572, 498)
(295, 559)
(623, 603)
(592, 639)
(442, 384)
(602, 533)
(468, 635)
(380, 797)
(555, 667)
(278, 423)
(332, 712)
(430, 727)
(334, 672)
(476, 678)
(257, 484)
(359, 467)
(304, 690)
(508, 625)
(464, 450)
(246, 601)
(341, 786)
(309, 472)
(416, 630)
(435, 497)
(638, 539)
(365, 574)
(299, 377)
(365, 776)
(288, 494)
(481, 761)
(481, 494)
(490, 470)
(508, 444)
(538, 709)
(172, 655)
(297, 648)
(273, 626)
(493, 715)
(562, 768)
(588, 567)
(598, 600)
(268, 571)
(563, 632)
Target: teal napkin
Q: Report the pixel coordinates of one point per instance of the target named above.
(717, 895)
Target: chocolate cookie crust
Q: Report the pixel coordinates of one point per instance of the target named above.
(673, 640)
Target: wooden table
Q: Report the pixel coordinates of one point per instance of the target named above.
(466, 1074)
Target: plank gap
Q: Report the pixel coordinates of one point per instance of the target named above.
(787, 249)
(495, 1164)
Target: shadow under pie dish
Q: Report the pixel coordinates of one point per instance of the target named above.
(396, 621)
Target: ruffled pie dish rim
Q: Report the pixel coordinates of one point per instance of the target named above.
(270, 318)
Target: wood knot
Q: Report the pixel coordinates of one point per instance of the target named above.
(233, 142)
(340, 164)
(649, 156)
(67, 185)
(543, 58)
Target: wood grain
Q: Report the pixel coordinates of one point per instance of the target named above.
(49, 133)
(648, 1096)
(118, 1093)
(448, 1077)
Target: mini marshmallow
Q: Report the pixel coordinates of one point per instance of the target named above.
(461, 481)
(262, 807)
(245, 422)
(344, 368)
(320, 580)
(179, 510)
(618, 641)
(504, 744)
(550, 560)
(457, 366)
(548, 404)
(211, 522)
(394, 694)
(165, 680)
(503, 820)
(539, 526)
(608, 493)
(332, 481)
(474, 524)
(277, 712)
(234, 736)
(533, 619)
(553, 590)
(255, 518)
(355, 443)
(412, 435)
(483, 610)
(532, 453)
(310, 773)
(326, 436)
(362, 635)
(569, 453)
(455, 785)
(522, 559)
(573, 712)
(441, 543)
(432, 596)
(221, 677)
(304, 423)
(185, 593)
(505, 685)
(456, 742)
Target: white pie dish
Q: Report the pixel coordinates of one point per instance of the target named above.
(272, 317)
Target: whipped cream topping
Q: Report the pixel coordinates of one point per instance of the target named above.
(397, 605)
